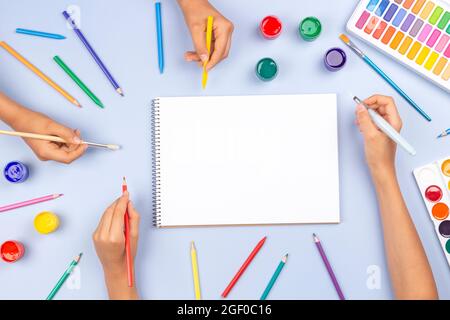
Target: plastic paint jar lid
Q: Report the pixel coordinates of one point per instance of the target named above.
(46, 222)
(270, 27)
(11, 251)
(16, 172)
(335, 59)
(266, 69)
(310, 28)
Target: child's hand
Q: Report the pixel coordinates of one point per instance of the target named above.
(380, 149)
(196, 14)
(45, 150)
(109, 241)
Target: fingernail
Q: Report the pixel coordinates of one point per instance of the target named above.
(76, 140)
(359, 107)
(204, 57)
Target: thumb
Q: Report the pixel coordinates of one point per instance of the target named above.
(366, 125)
(199, 40)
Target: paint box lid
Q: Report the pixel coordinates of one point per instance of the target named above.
(310, 28)
(270, 27)
(266, 69)
(16, 172)
(46, 222)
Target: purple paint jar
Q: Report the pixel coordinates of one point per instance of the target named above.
(335, 59)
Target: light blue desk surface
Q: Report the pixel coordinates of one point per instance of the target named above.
(123, 33)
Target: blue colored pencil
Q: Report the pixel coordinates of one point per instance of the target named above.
(40, 34)
(159, 36)
(445, 133)
(355, 49)
(93, 53)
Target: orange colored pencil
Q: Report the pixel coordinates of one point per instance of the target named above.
(127, 240)
(39, 73)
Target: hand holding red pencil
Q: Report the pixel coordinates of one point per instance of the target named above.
(109, 241)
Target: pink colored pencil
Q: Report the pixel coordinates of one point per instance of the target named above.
(29, 202)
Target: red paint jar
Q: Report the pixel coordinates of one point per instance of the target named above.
(11, 251)
(270, 27)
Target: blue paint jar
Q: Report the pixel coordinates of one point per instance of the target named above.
(16, 172)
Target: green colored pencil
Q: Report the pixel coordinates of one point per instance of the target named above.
(64, 277)
(274, 277)
(77, 80)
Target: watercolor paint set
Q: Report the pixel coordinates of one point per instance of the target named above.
(434, 184)
(415, 32)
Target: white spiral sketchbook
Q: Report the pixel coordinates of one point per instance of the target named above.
(245, 160)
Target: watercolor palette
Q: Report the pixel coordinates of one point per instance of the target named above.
(434, 184)
(415, 32)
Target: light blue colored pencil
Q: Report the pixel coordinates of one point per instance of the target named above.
(40, 34)
(159, 34)
(274, 277)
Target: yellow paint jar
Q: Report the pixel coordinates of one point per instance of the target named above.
(46, 222)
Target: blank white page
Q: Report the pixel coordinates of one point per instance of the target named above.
(248, 160)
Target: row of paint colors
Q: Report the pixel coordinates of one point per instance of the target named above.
(416, 32)
(44, 223)
(16, 172)
(434, 184)
(309, 28)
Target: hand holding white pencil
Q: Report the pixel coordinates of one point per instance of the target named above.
(56, 139)
(384, 126)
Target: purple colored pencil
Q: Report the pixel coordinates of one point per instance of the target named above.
(93, 53)
(328, 266)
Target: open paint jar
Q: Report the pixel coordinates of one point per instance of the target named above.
(266, 69)
(335, 59)
(310, 28)
(16, 172)
(270, 27)
(46, 222)
(11, 251)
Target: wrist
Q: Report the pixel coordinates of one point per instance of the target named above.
(383, 176)
(117, 283)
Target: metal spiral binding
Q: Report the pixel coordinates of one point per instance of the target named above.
(156, 178)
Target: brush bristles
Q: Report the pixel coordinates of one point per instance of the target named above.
(344, 38)
(113, 147)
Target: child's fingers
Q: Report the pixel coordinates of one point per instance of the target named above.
(117, 222)
(220, 51)
(191, 56)
(386, 107)
(105, 221)
(134, 220)
(199, 39)
(366, 126)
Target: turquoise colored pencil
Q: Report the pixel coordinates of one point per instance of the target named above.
(40, 34)
(64, 277)
(274, 277)
(444, 133)
(77, 80)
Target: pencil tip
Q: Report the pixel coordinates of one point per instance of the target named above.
(120, 91)
(124, 181)
(192, 245)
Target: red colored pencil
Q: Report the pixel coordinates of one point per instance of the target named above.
(127, 240)
(243, 267)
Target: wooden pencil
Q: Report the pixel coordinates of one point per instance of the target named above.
(39, 73)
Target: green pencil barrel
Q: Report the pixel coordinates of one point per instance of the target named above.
(61, 281)
(77, 80)
(272, 281)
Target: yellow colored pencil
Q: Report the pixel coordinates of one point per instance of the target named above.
(198, 294)
(209, 30)
(38, 72)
